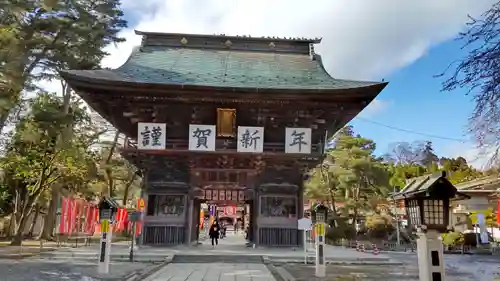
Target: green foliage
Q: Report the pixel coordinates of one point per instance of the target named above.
(379, 226)
(489, 215)
(35, 160)
(342, 230)
(452, 238)
(51, 36)
(350, 174)
(459, 170)
(407, 161)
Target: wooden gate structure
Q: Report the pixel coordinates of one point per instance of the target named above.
(215, 117)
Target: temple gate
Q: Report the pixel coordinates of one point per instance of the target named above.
(215, 118)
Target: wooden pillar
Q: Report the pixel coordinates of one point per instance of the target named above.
(255, 217)
(144, 195)
(189, 217)
(300, 211)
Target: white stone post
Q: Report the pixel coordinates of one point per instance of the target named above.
(320, 249)
(105, 248)
(430, 256)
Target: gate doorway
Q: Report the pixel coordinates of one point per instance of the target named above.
(235, 219)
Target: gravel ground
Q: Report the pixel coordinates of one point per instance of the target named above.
(458, 268)
(56, 270)
(366, 273)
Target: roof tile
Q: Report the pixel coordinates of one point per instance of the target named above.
(223, 68)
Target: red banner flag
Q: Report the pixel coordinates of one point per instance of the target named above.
(498, 212)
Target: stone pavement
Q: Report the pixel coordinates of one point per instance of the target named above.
(231, 245)
(69, 270)
(29, 248)
(212, 272)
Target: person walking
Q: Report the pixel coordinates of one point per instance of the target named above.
(214, 233)
(223, 229)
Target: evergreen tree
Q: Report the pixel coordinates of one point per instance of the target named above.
(40, 38)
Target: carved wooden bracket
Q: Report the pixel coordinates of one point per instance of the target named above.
(278, 189)
(280, 175)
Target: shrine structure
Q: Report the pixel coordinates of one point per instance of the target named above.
(215, 118)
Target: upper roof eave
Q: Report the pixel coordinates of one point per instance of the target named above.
(78, 78)
(221, 36)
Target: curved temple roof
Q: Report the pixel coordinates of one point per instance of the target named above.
(225, 65)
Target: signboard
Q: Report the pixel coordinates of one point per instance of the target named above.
(304, 224)
(141, 204)
(151, 135)
(104, 225)
(105, 214)
(202, 137)
(223, 195)
(212, 209)
(250, 139)
(320, 229)
(298, 140)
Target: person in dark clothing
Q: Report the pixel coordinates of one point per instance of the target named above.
(223, 229)
(214, 233)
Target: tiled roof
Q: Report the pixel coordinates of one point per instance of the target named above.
(488, 183)
(421, 183)
(428, 183)
(221, 68)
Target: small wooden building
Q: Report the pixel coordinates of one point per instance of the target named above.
(222, 119)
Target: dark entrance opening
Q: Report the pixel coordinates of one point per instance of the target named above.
(233, 216)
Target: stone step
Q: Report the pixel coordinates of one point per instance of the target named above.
(333, 260)
(217, 259)
(113, 257)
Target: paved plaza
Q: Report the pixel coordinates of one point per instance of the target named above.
(231, 245)
(35, 269)
(213, 272)
(231, 260)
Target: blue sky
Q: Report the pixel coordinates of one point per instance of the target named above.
(413, 101)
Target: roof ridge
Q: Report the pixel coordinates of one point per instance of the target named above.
(315, 40)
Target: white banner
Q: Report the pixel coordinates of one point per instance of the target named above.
(250, 139)
(483, 232)
(151, 135)
(298, 140)
(202, 137)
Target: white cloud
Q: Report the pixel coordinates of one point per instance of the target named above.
(362, 39)
(375, 107)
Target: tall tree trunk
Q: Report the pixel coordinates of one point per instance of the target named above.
(14, 219)
(108, 170)
(55, 194)
(334, 208)
(50, 217)
(127, 189)
(27, 208)
(355, 212)
(4, 114)
(18, 235)
(36, 214)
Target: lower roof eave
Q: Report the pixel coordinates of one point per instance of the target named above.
(77, 81)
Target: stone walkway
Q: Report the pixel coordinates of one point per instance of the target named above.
(231, 245)
(212, 272)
